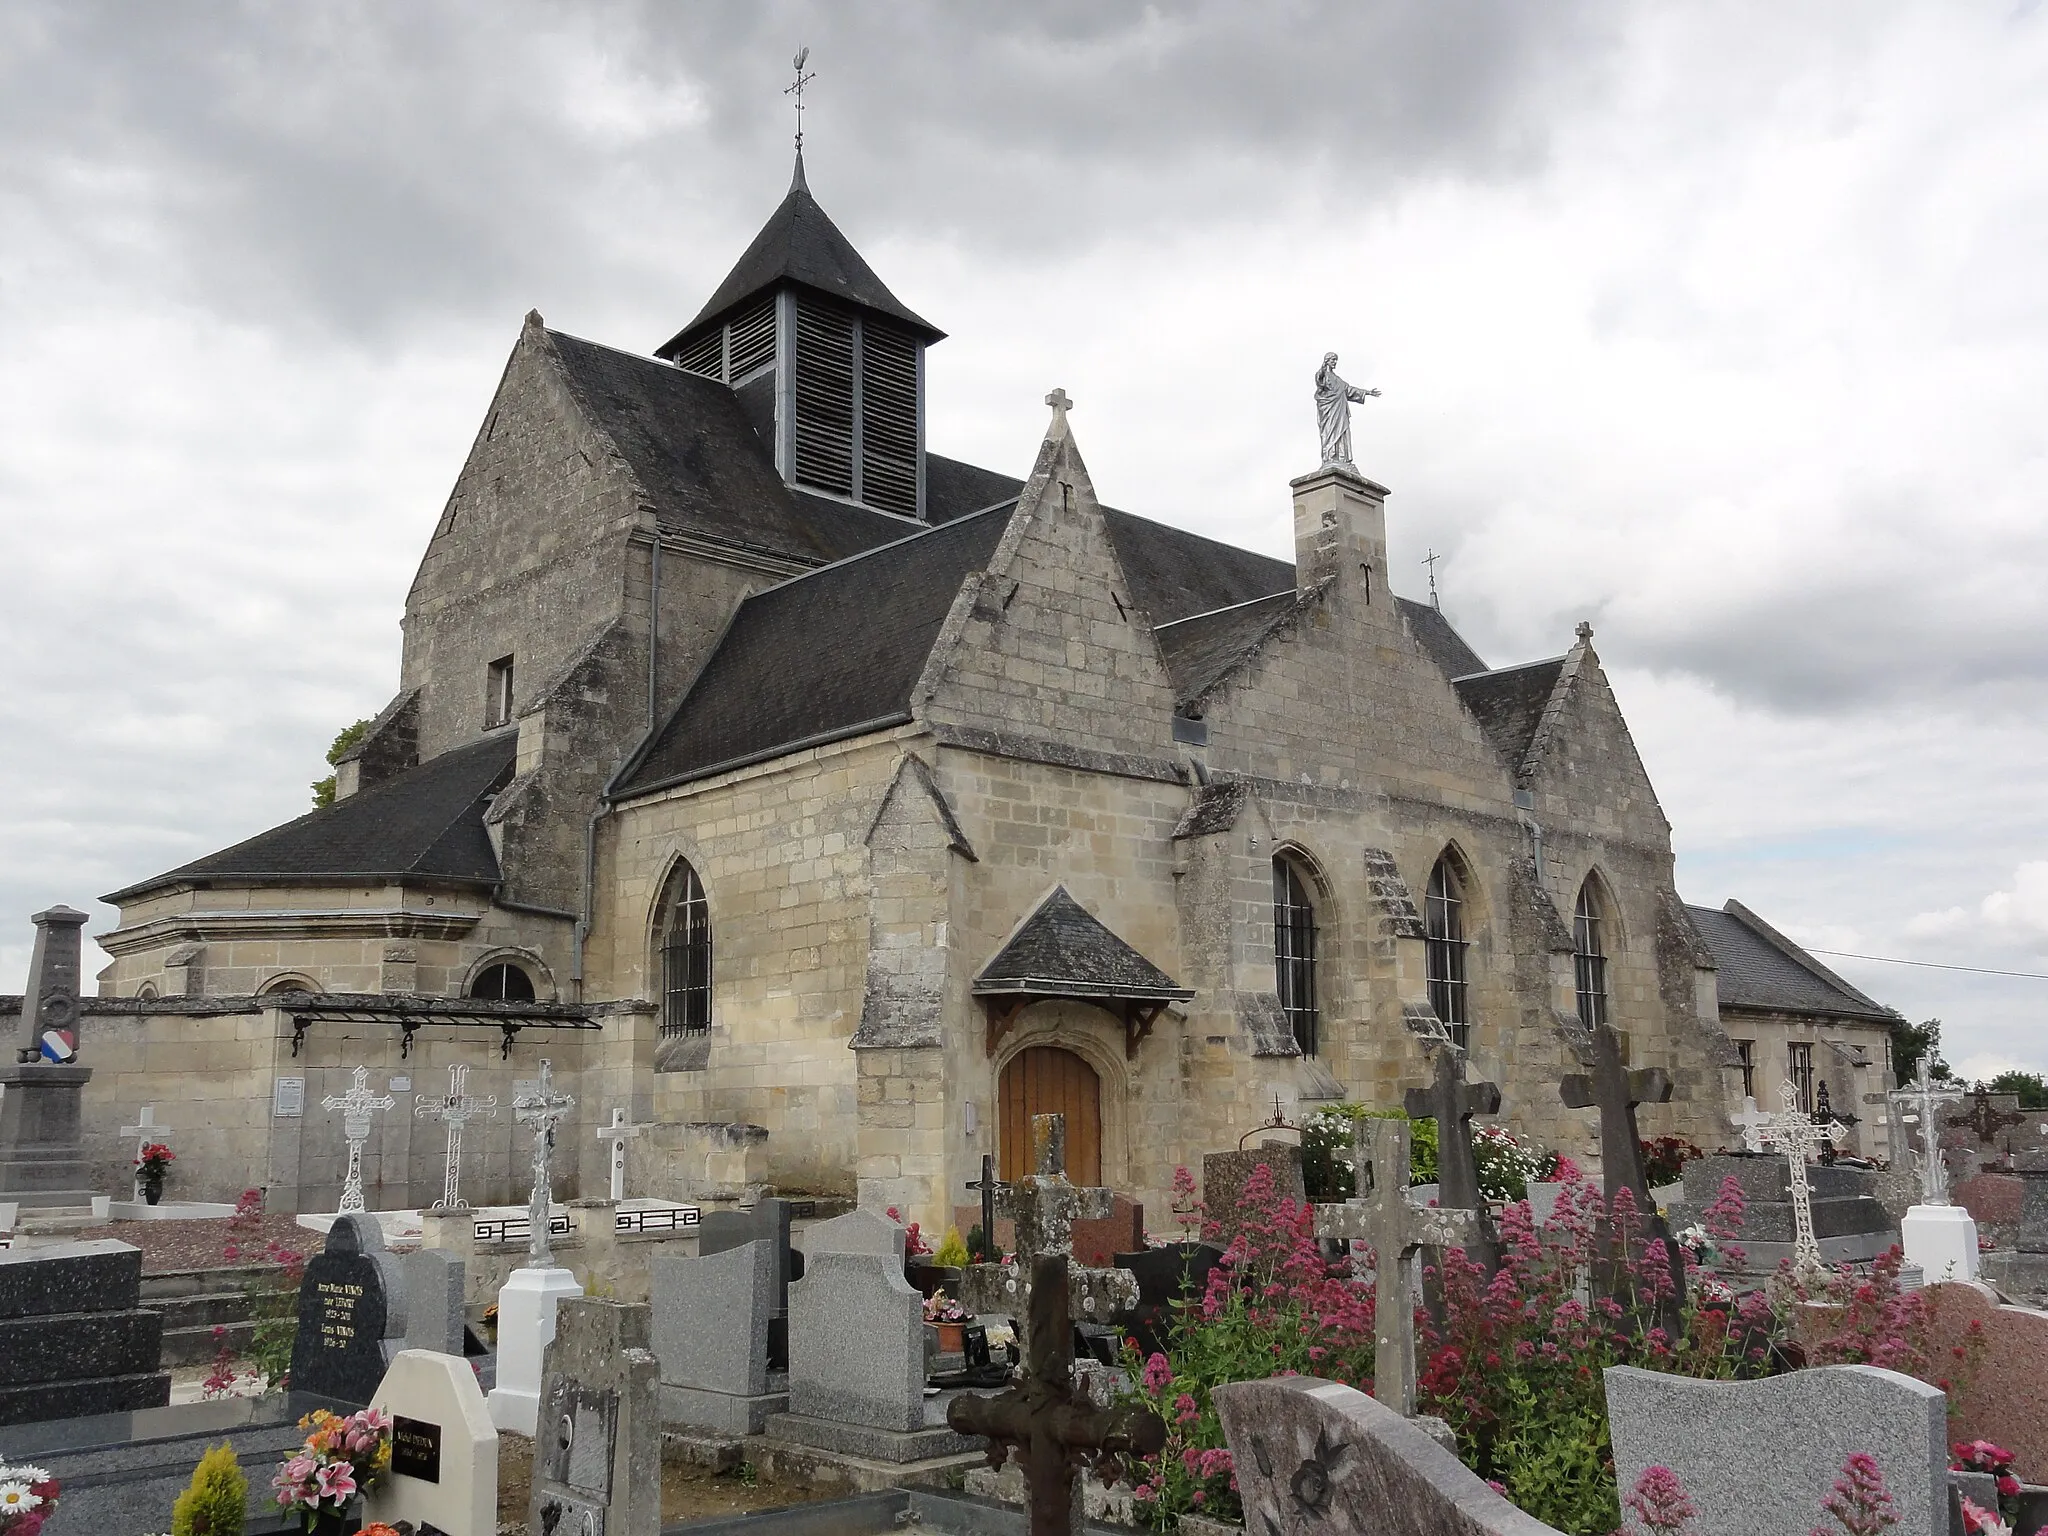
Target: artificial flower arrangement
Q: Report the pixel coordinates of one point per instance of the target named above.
(151, 1164)
(941, 1308)
(28, 1497)
(1986, 1456)
(342, 1457)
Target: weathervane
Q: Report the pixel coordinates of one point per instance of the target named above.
(797, 90)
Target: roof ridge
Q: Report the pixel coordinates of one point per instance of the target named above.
(1210, 613)
(909, 538)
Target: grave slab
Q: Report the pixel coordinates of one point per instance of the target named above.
(1758, 1457)
(2006, 1400)
(710, 1332)
(444, 1457)
(72, 1339)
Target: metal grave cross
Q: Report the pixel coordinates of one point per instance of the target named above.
(1052, 1426)
(356, 1106)
(145, 1130)
(990, 1186)
(1985, 1118)
(1398, 1231)
(1919, 1102)
(1615, 1091)
(543, 1109)
(618, 1133)
(457, 1108)
(1452, 1102)
(1043, 1208)
(1795, 1133)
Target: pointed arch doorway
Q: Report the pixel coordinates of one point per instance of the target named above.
(1048, 1080)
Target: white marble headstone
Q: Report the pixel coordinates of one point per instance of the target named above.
(444, 1461)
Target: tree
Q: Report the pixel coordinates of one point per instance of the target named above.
(323, 789)
(1910, 1042)
(2030, 1086)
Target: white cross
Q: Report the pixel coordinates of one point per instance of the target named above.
(145, 1130)
(457, 1107)
(618, 1133)
(1921, 1101)
(543, 1109)
(356, 1106)
(1795, 1133)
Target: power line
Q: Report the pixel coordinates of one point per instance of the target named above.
(1930, 965)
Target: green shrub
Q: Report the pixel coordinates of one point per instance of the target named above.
(1326, 1140)
(952, 1251)
(216, 1501)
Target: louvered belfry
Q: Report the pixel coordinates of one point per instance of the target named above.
(829, 363)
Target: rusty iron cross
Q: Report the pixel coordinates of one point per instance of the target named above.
(1053, 1428)
(1986, 1119)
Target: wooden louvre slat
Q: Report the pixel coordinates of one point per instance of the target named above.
(824, 397)
(888, 400)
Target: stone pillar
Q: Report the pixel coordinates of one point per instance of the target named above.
(1340, 531)
(42, 1150)
(50, 1001)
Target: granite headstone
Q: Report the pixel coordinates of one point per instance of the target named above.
(2006, 1399)
(1225, 1174)
(1165, 1276)
(1758, 1457)
(857, 1343)
(597, 1456)
(766, 1220)
(858, 1231)
(710, 1333)
(352, 1313)
(73, 1340)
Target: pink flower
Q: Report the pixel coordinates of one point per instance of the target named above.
(336, 1481)
(1157, 1374)
(1184, 1409)
(1660, 1501)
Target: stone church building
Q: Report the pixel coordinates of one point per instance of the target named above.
(834, 806)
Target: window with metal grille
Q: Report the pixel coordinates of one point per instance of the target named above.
(1444, 947)
(506, 983)
(1799, 1068)
(686, 956)
(1294, 953)
(888, 417)
(1589, 958)
(825, 406)
(1745, 1051)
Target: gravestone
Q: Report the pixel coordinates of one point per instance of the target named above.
(352, 1313)
(1316, 1456)
(597, 1456)
(444, 1448)
(766, 1220)
(434, 1301)
(858, 1231)
(72, 1339)
(1849, 1224)
(1224, 1176)
(1165, 1276)
(2006, 1399)
(528, 1300)
(1758, 1457)
(1452, 1102)
(710, 1333)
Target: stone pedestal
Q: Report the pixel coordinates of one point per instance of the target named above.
(42, 1147)
(526, 1326)
(1942, 1240)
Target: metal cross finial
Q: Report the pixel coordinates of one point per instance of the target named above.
(1920, 1101)
(456, 1108)
(543, 1109)
(796, 89)
(1430, 560)
(356, 1106)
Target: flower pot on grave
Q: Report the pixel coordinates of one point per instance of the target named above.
(953, 1338)
(153, 1190)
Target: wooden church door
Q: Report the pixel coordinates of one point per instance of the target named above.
(1046, 1080)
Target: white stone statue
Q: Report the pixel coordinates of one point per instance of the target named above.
(1333, 411)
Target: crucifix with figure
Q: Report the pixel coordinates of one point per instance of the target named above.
(1397, 1230)
(456, 1108)
(1043, 1208)
(1052, 1427)
(1920, 1102)
(1452, 1102)
(1615, 1090)
(544, 1108)
(356, 1106)
(145, 1130)
(618, 1133)
(1795, 1133)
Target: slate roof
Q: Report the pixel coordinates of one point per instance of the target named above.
(1508, 702)
(1759, 968)
(801, 244)
(1063, 950)
(820, 656)
(1446, 647)
(1202, 650)
(427, 822)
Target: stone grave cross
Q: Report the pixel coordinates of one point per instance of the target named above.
(356, 1106)
(618, 1133)
(1043, 1207)
(145, 1130)
(1615, 1091)
(1398, 1231)
(1919, 1102)
(543, 1109)
(1452, 1102)
(1051, 1425)
(1795, 1133)
(457, 1108)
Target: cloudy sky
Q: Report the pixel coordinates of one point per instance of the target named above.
(1722, 326)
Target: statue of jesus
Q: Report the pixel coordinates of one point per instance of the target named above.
(1333, 411)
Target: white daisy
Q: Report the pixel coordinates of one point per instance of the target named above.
(30, 1475)
(15, 1499)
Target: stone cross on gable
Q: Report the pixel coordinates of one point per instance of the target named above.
(1795, 1133)
(1616, 1091)
(144, 1130)
(1060, 403)
(618, 1133)
(356, 1106)
(1920, 1102)
(1043, 1207)
(1398, 1232)
(1452, 1102)
(457, 1108)
(1051, 1426)
(543, 1109)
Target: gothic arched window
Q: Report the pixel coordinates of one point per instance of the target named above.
(1589, 956)
(685, 955)
(1294, 952)
(1443, 923)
